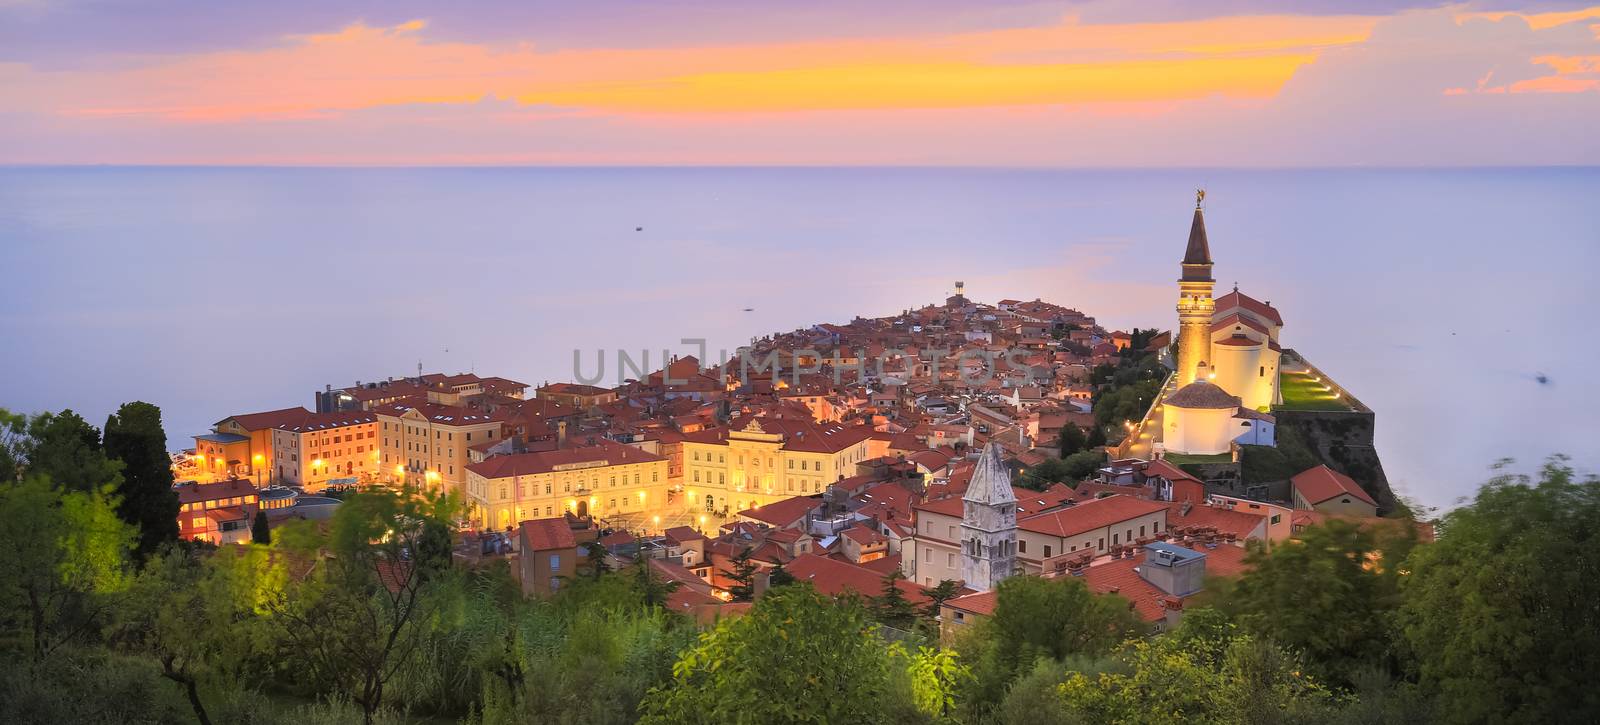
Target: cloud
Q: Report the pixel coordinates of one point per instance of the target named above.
(1416, 88)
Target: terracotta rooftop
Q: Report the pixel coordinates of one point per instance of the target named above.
(602, 453)
(1090, 515)
(547, 534)
(1322, 483)
(834, 578)
(783, 513)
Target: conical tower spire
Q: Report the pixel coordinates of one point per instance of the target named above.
(1197, 257)
(991, 482)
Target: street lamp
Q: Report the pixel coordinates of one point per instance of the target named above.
(255, 464)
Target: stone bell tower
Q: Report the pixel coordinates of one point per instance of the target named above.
(1195, 306)
(988, 523)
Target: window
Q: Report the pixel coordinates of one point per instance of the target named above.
(950, 560)
(1022, 546)
(1101, 544)
(927, 554)
(1141, 531)
(555, 562)
(1276, 518)
(1114, 539)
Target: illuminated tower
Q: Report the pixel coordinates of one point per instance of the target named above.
(1195, 306)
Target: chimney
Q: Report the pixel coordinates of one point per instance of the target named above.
(561, 433)
(759, 584)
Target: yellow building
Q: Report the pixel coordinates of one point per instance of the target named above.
(601, 480)
(426, 445)
(241, 446)
(316, 449)
(762, 460)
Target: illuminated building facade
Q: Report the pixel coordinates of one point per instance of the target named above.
(599, 480)
(762, 460)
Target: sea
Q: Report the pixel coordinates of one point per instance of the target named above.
(1456, 303)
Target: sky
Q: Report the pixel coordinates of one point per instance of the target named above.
(1153, 83)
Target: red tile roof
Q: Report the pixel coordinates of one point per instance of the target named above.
(834, 577)
(1322, 483)
(312, 422)
(783, 513)
(1090, 515)
(981, 603)
(1225, 520)
(201, 492)
(1147, 599)
(547, 534)
(603, 452)
(268, 419)
(1240, 299)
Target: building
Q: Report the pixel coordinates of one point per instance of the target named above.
(576, 395)
(598, 480)
(1195, 306)
(1331, 492)
(426, 445)
(547, 555)
(1230, 344)
(763, 460)
(241, 445)
(220, 513)
(988, 523)
(316, 450)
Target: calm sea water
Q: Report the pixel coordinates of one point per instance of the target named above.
(1436, 296)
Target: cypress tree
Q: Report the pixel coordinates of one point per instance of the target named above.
(260, 532)
(134, 436)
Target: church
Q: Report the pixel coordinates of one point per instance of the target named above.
(1227, 363)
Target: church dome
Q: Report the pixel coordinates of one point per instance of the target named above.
(1201, 394)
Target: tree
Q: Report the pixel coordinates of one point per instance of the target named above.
(1164, 682)
(260, 530)
(890, 606)
(1071, 440)
(1097, 437)
(67, 449)
(1326, 595)
(653, 589)
(744, 575)
(355, 618)
(796, 657)
(1070, 470)
(779, 576)
(193, 617)
(596, 556)
(937, 595)
(13, 439)
(135, 437)
(62, 554)
(1037, 617)
(1499, 613)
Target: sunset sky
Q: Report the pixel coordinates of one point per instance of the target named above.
(1000, 82)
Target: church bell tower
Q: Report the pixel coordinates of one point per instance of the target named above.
(1195, 306)
(988, 523)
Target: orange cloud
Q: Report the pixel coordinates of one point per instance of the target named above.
(315, 76)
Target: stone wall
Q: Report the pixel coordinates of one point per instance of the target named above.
(1343, 441)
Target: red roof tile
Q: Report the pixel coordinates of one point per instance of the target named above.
(783, 513)
(834, 577)
(1322, 483)
(609, 453)
(1090, 515)
(547, 534)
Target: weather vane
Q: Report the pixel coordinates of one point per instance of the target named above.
(1199, 196)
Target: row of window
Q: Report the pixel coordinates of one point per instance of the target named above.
(217, 503)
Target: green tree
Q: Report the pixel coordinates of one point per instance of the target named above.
(67, 449)
(1071, 440)
(63, 554)
(194, 617)
(1096, 438)
(356, 618)
(260, 529)
(938, 594)
(891, 607)
(135, 437)
(1328, 595)
(744, 575)
(779, 576)
(796, 657)
(652, 588)
(13, 441)
(1037, 617)
(1500, 613)
(1165, 683)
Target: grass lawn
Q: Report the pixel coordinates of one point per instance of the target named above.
(1301, 392)
(1179, 459)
